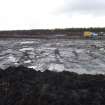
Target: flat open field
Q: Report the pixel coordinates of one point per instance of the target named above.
(80, 56)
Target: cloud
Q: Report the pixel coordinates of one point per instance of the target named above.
(32, 14)
(92, 7)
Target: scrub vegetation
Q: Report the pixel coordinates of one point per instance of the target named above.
(43, 32)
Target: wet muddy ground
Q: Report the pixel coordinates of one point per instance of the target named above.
(80, 56)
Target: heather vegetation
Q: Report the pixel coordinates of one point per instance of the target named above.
(24, 86)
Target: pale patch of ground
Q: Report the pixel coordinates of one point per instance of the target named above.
(81, 56)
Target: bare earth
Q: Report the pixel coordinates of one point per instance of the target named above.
(80, 56)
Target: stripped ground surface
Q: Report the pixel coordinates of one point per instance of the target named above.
(81, 56)
(24, 86)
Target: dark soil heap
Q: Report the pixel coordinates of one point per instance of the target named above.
(23, 86)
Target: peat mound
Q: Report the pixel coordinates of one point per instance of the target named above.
(24, 86)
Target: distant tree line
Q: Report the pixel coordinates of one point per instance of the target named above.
(32, 33)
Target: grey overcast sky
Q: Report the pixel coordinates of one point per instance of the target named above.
(42, 14)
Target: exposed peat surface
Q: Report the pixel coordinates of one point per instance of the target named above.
(52, 72)
(24, 86)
